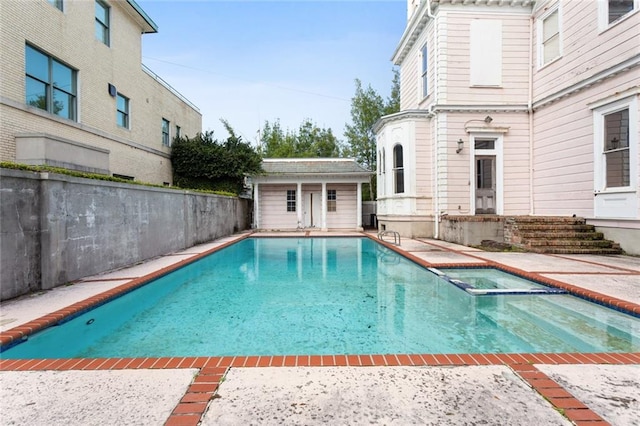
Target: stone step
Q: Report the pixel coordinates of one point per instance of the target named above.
(547, 219)
(575, 250)
(553, 227)
(568, 243)
(577, 235)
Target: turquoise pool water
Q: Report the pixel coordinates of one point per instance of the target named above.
(325, 296)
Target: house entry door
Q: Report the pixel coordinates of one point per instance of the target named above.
(485, 186)
(312, 210)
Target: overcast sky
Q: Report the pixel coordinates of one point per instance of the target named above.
(251, 61)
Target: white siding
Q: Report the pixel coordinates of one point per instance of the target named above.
(563, 150)
(273, 207)
(586, 51)
(345, 215)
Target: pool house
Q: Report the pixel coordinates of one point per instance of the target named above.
(309, 193)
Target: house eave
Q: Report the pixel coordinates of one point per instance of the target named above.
(399, 116)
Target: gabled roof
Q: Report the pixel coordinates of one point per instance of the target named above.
(312, 166)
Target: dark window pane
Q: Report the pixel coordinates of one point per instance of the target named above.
(37, 64)
(619, 8)
(63, 77)
(617, 164)
(62, 104)
(616, 130)
(399, 177)
(397, 156)
(36, 93)
(486, 144)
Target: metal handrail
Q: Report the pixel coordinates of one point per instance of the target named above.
(396, 236)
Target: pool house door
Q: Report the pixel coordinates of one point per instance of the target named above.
(312, 209)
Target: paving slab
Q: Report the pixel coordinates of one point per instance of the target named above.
(33, 306)
(448, 245)
(141, 269)
(620, 261)
(626, 287)
(122, 397)
(488, 395)
(446, 257)
(533, 262)
(612, 391)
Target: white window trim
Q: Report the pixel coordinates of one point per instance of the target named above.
(599, 183)
(603, 15)
(540, 36)
(424, 73)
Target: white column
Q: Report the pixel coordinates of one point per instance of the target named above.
(299, 204)
(359, 207)
(256, 206)
(324, 206)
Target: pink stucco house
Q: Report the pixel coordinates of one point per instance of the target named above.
(514, 108)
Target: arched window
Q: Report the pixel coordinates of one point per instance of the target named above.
(398, 170)
(384, 161)
(379, 162)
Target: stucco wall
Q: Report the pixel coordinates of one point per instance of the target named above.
(55, 229)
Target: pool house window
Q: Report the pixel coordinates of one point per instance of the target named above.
(331, 200)
(50, 85)
(291, 200)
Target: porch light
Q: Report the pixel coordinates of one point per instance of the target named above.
(460, 145)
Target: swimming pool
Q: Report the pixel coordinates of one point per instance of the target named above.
(325, 296)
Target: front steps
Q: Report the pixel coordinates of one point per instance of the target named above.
(556, 235)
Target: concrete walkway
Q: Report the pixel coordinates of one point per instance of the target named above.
(391, 389)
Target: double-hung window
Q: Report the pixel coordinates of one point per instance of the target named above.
(398, 170)
(102, 22)
(549, 37)
(424, 71)
(291, 200)
(122, 114)
(616, 149)
(166, 139)
(50, 84)
(613, 11)
(331, 200)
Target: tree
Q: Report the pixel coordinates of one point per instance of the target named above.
(205, 163)
(367, 106)
(309, 141)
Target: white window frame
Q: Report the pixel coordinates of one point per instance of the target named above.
(541, 39)
(398, 170)
(603, 14)
(291, 201)
(618, 202)
(486, 65)
(332, 200)
(424, 71)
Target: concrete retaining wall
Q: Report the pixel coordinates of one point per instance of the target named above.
(55, 228)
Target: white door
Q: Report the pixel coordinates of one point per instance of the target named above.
(312, 209)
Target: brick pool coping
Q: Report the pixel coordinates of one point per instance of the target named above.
(212, 370)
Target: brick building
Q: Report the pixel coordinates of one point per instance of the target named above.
(75, 94)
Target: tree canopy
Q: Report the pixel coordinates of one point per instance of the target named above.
(367, 106)
(308, 141)
(203, 162)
